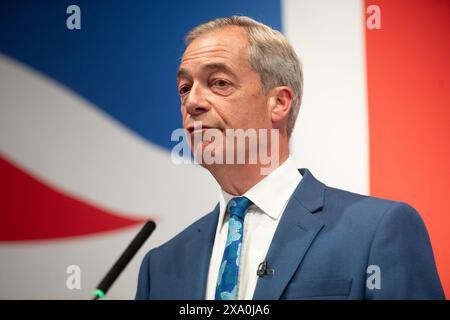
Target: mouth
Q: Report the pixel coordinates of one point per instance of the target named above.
(192, 129)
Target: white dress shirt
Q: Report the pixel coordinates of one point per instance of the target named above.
(270, 197)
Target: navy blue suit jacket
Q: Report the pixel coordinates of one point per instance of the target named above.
(329, 244)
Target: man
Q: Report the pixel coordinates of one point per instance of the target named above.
(280, 234)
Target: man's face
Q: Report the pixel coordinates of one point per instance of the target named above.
(217, 85)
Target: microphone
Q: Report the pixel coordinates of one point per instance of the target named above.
(122, 262)
(263, 270)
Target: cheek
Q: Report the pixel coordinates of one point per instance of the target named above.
(241, 111)
(183, 112)
(257, 110)
(183, 117)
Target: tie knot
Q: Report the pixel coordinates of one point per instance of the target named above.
(237, 207)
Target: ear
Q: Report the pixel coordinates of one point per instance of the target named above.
(280, 103)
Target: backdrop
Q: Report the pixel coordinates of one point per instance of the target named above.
(86, 116)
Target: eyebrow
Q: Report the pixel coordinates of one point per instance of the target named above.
(183, 73)
(216, 66)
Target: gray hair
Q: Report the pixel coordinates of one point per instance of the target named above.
(270, 55)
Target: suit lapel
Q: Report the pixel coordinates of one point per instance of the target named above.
(294, 235)
(197, 257)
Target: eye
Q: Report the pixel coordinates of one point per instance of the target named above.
(183, 89)
(221, 83)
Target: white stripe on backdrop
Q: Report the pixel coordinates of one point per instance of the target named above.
(331, 134)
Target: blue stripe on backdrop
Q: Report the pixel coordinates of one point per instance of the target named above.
(125, 56)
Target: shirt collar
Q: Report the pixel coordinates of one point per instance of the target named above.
(271, 193)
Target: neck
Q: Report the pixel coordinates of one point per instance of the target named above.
(237, 179)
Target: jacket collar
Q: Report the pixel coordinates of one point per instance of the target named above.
(295, 233)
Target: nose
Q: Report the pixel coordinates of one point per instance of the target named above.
(196, 102)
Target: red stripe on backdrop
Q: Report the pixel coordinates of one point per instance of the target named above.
(31, 210)
(409, 113)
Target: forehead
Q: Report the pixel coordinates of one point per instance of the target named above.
(227, 46)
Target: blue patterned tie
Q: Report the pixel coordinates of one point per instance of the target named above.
(227, 280)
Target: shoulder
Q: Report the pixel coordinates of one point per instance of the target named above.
(179, 241)
(340, 205)
(367, 212)
(379, 207)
